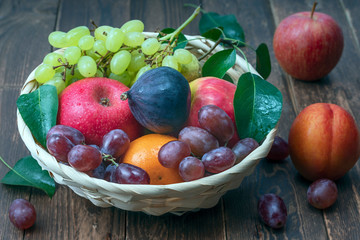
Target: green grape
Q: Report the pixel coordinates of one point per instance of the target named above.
(102, 32)
(163, 46)
(134, 39)
(86, 42)
(92, 54)
(44, 73)
(87, 66)
(99, 73)
(183, 56)
(123, 78)
(57, 82)
(191, 70)
(120, 62)
(142, 71)
(150, 46)
(137, 61)
(170, 61)
(73, 36)
(99, 47)
(72, 54)
(60, 70)
(133, 26)
(114, 40)
(53, 59)
(57, 39)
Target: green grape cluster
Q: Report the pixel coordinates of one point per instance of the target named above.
(123, 54)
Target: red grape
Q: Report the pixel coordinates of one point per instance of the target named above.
(279, 150)
(217, 122)
(115, 143)
(219, 159)
(109, 174)
(191, 168)
(74, 135)
(22, 214)
(59, 146)
(171, 153)
(272, 210)
(322, 193)
(84, 158)
(130, 174)
(199, 140)
(244, 147)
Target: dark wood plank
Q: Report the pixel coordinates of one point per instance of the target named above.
(339, 87)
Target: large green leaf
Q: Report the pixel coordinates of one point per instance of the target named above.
(218, 64)
(228, 23)
(213, 34)
(39, 111)
(27, 172)
(257, 106)
(263, 62)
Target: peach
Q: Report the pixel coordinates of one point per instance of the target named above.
(324, 142)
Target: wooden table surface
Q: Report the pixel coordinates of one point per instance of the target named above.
(24, 28)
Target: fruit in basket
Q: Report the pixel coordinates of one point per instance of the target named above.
(93, 106)
(84, 158)
(218, 159)
(324, 141)
(191, 168)
(212, 91)
(22, 214)
(322, 193)
(160, 100)
(171, 153)
(272, 210)
(308, 45)
(130, 174)
(143, 153)
(244, 147)
(115, 143)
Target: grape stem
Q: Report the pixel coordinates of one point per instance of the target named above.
(108, 157)
(174, 34)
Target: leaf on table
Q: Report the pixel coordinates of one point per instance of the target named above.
(39, 111)
(218, 64)
(228, 23)
(263, 62)
(257, 106)
(27, 172)
(181, 41)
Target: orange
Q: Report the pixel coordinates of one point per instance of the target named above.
(143, 152)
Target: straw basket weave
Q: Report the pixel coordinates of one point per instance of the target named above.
(151, 199)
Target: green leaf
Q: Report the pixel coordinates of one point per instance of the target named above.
(39, 111)
(263, 62)
(27, 172)
(218, 64)
(181, 41)
(232, 28)
(213, 34)
(228, 78)
(257, 106)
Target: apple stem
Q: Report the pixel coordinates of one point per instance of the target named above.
(124, 96)
(313, 10)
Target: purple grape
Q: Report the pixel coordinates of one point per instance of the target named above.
(130, 174)
(322, 193)
(272, 210)
(217, 122)
(199, 140)
(84, 158)
(110, 173)
(219, 159)
(171, 153)
(98, 172)
(244, 147)
(279, 150)
(22, 214)
(74, 135)
(191, 168)
(115, 143)
(59, 146)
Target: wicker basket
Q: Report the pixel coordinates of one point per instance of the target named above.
(151, 199)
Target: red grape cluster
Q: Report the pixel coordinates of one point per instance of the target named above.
(200, 151)
(67, 145)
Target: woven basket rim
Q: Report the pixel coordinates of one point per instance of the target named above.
(157, 191)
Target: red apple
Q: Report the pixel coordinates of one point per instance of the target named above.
(324, 142)
(215, 91)
(308, 45)
(93, 106)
